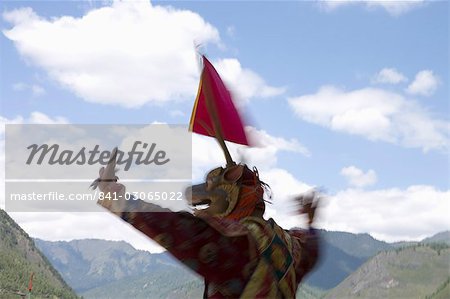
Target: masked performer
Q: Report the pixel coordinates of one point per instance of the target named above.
(229, 243)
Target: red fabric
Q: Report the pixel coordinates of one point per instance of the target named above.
(228, 117)
(30, 283)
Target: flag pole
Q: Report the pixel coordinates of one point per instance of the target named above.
(215, 120)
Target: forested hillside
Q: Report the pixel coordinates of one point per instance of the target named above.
(416, 271)
(19, 257)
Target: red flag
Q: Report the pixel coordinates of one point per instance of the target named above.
(214, 101)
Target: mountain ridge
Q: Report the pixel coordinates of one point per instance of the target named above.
(101, 261)
(116, 259)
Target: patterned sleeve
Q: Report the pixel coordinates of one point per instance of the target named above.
(306, 248)
(195, 243)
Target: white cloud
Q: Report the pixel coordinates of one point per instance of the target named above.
(375, 114)
(35, 117)
(393, 7)
(129, 53)
(388, 214)
(19, 86)
(356, 177)
(389, 76)
(207, 153)
(41, 118)
(262, 139)
(176, 113)
(425, 84)
(284, 187)
(244, 83)
(35, 89)
(57, 226)
(231, 31)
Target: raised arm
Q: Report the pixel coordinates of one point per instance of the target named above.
(306, 242)
(191, 240)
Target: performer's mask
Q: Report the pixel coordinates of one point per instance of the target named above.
(233, 192)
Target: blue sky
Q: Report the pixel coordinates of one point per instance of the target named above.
(362, 87)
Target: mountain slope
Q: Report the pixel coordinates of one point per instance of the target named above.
(169, 283)
(357, 245)
(110, 269)
(442, 292)
(333, 267)
(180, 284)
(19, 257)
(89, 263)
(411, 272)
(442, 237)
(341, 254)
